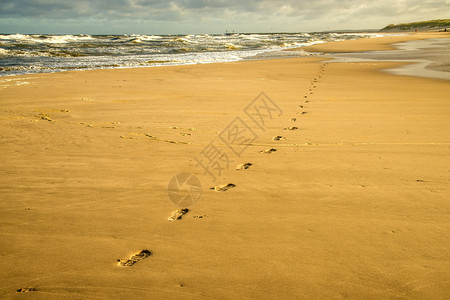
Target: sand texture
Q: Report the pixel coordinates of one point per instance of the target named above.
(373, 44)
(341, 192)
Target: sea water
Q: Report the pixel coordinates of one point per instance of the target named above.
(25, 53)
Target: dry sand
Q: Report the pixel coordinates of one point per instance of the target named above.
(353, 204)
(374, 44)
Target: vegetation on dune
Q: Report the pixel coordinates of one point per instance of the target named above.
(429, 25)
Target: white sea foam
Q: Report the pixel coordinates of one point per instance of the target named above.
(16, 36)
(146, 37)
(52, 39)
(57, 39)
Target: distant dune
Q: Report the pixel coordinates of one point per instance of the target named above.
(431, 25)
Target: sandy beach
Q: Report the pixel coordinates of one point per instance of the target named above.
(352, 204)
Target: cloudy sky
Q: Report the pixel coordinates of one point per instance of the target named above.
(210, 16)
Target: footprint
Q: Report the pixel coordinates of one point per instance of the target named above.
(45, 117)
(178, 214)
(223, 188)
(278, 138)
(26, 290)
(293, 119)
(244, 166)
(302, 112)
(268, 151)
(128, 262)
(201, 217)
(301, 106)
(291, 128)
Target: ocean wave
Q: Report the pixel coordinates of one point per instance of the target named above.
(50, 39)
(21, 53)
(231, 46)
(55, 53)
(68, 38)
(136, 41)
(14, 69)
(145, 38)
(16, 36)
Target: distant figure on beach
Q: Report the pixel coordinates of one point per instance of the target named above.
(416, 30)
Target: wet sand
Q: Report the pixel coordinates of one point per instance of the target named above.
(427, 58)
(353, 203)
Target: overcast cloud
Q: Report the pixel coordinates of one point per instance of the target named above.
(210, 16)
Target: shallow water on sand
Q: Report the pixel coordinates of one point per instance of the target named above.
(429, 58)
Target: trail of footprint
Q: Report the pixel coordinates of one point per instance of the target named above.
(223, 188)
(178, 214)
(128, 262)
(314, 83)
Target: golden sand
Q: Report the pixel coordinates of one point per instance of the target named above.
(353, 203)
(374, 44)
